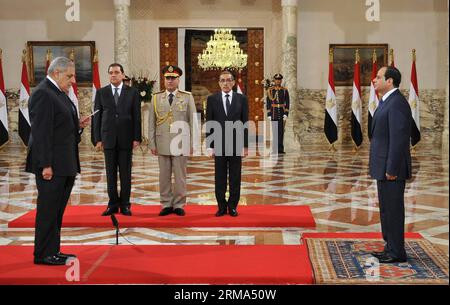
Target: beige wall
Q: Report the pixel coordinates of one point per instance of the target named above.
(26, 20)
(22, 20)
(404, 25)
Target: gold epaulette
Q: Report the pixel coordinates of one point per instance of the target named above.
(184, 92)
(162, 91)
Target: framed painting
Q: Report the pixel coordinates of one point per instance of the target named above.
(344, 61)
(83, 56)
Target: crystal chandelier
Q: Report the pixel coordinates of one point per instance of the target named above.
(222, 51)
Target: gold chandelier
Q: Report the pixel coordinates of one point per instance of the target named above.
(222, 51)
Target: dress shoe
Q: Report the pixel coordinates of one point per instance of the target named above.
(221, 212)
(65, 255)
(53, 260)
(232, 212)
(179, 212)
(166, 211)
(110, 210)
(125, 211)
(387, 259)
(282, 152)
(378, 254)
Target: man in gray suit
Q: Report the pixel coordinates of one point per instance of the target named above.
(172, 110)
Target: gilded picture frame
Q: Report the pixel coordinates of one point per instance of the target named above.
(344, 61)
(83, 56)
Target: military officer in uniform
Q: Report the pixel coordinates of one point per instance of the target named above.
(277, 104)
(172, 110)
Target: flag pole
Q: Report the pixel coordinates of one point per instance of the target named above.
(1, 66)
(24, 60)
(94, 76)
(330, 60)
(413, 147)
(357, 60)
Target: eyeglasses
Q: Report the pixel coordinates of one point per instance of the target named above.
(228, 80)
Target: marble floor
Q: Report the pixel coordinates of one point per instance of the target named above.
(335, 185)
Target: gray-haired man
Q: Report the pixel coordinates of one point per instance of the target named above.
(53, 156)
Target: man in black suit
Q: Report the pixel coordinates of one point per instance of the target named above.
(390, 161)
(53, 156)
(227, 141)
(117, 128)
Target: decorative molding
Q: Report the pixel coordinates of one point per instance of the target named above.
(122, 2)
(289, 2)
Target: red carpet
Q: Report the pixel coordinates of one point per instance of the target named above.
(165, 264)
(146, 216)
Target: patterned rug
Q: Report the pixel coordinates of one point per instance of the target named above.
(348, 261)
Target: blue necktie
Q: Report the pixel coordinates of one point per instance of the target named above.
(381, 103)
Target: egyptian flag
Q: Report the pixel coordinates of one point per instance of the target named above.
(414, 102)
(73, 90)
(373, 98)
(3, 108)
(356, 104)
(24, 117)
(330, 126)
(95, 86)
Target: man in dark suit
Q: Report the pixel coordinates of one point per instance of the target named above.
(390, 161)
(117, 128)
(227, 141)
(53, 156)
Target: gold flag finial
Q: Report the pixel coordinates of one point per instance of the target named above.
(374, 56)
(96, 56)
(24, 55)
(357, 56)
(49, 55)
(414, 54)
(72, 55)
(330, 55)
(391, 55)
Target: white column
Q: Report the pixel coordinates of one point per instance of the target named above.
(122, 33)
(289, 72)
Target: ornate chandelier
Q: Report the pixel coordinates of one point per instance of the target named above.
(222, 51)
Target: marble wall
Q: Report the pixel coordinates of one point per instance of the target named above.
(12, 95)
(311, 107)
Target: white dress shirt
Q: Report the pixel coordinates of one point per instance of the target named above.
(224, 100)
(386, 95)
(174, 93)
(119, 87)
(53, 82)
